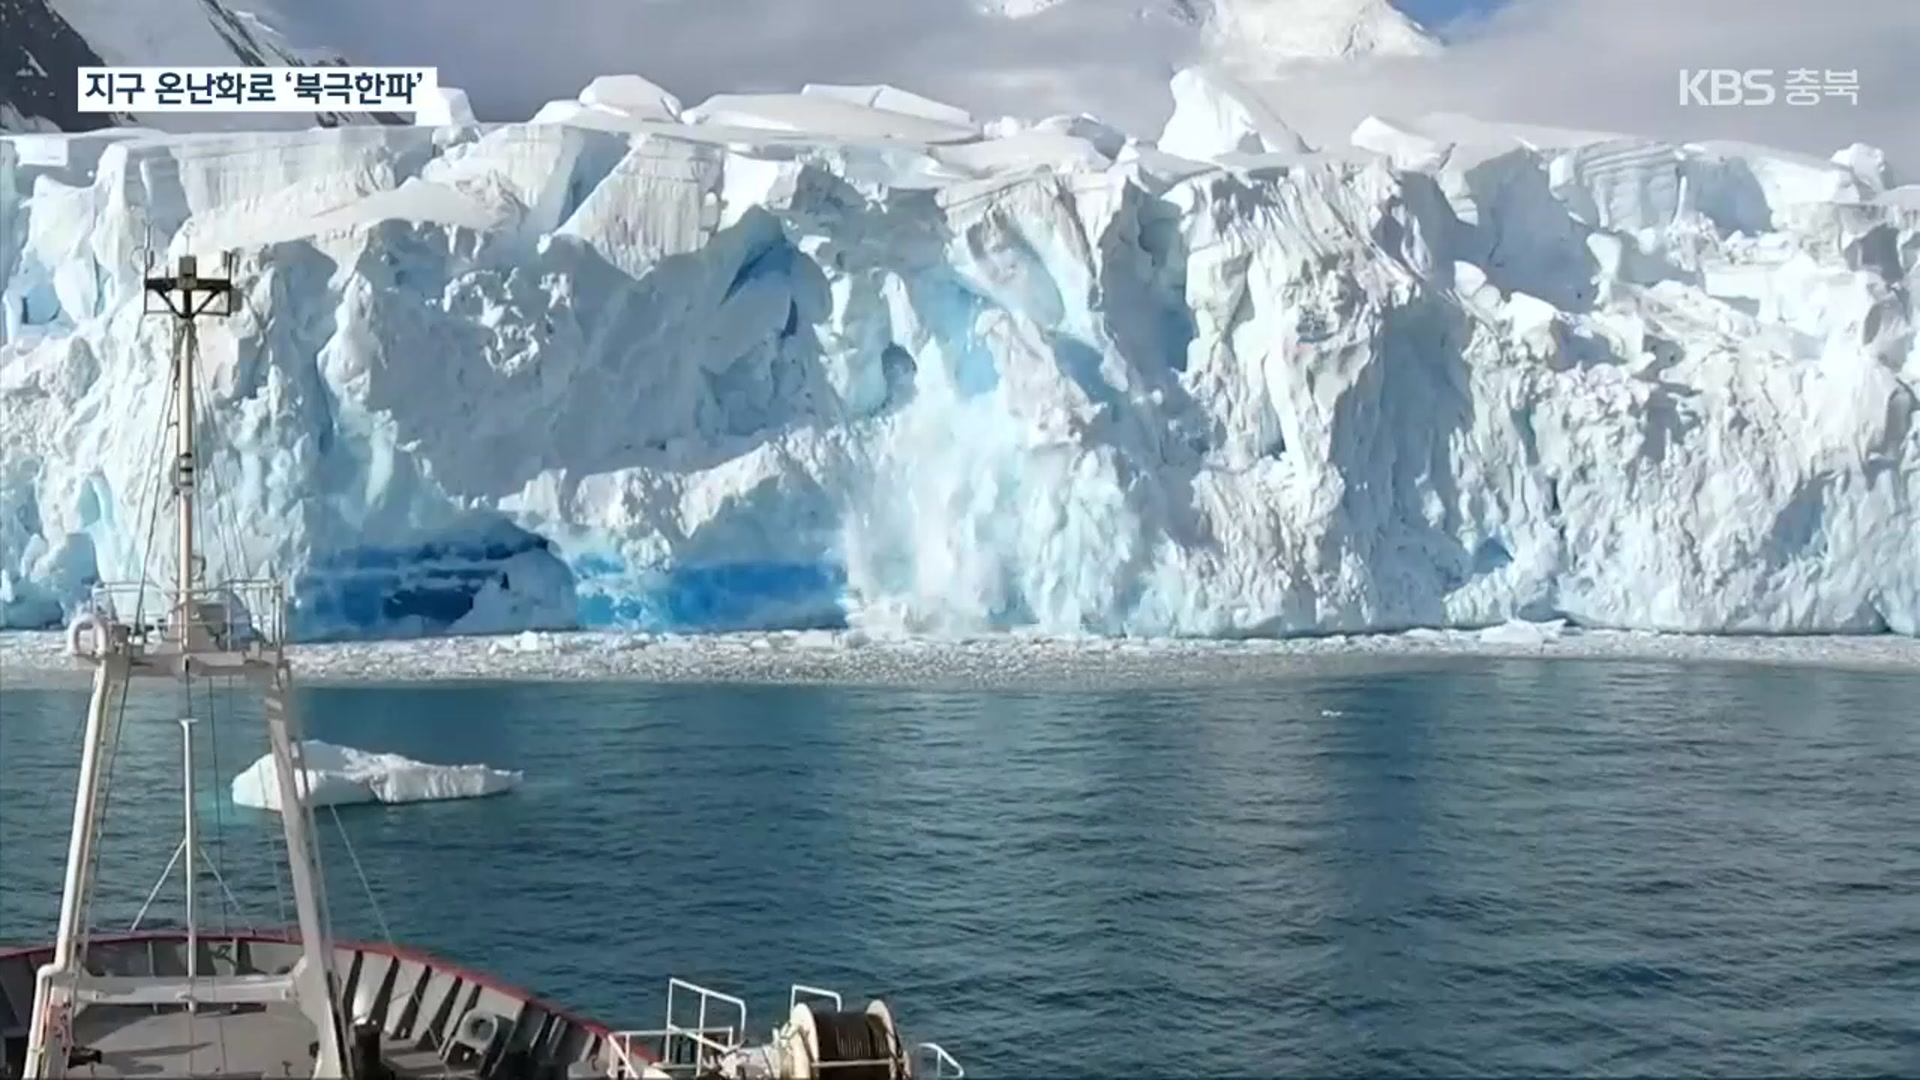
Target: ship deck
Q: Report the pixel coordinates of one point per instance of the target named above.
(422, 1004)
(254, 1040)
(269, 1041)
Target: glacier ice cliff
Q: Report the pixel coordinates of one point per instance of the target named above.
(851, 356)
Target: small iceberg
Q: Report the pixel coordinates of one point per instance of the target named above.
(341, 775)
(1521, 632)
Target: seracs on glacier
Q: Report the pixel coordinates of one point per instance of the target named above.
(853, 357)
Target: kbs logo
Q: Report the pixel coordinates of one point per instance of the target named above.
(1751, 87)
(1727, 86)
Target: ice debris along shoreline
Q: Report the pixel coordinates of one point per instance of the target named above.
(1011, 661)
(342, 776)
(850, 357)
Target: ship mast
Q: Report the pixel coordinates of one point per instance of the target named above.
(187, 296)
(237, 630)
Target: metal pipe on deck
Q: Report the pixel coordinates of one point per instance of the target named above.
(189, 850)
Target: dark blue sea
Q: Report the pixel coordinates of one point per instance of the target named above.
(1472, 868)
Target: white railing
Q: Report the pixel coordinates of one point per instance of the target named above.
(678, 1050)
(684, 1050)
(701, 1029)
(623, 1059)
(233, 616)
(633, 1053)
(944, 1065)
(799, 991)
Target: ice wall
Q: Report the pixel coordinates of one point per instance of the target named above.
(847, 356)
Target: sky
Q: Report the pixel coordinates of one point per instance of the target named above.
(1610, 65)
(1614, 65)
(1439, 12)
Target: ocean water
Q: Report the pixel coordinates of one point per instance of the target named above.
(1462, 868)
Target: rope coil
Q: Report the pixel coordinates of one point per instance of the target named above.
(846, 1037)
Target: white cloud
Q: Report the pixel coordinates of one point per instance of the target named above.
(1613, 65)
(511, 55)
(1603, 64)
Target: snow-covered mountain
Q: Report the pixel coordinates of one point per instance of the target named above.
(1264, 34)
(43, 41)
(852, 355)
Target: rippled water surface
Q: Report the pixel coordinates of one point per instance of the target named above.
(1482, 867)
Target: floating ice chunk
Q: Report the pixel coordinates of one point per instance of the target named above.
(526, 641)
(1518, 632)
(339, 775)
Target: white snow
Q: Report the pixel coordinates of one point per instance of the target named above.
(1265, 35)
(892, 99)
(445, 107)
(339, 776)
(851, 357)
(1015, 9)
(1517, 632)
(1262, 35)
(633, 95)
(823, 114)
(1213, 115)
